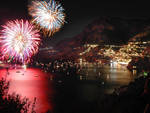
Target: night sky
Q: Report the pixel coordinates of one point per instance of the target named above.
(79, 12)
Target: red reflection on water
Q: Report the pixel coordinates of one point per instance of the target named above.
(30, 83)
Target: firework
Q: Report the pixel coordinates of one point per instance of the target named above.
(19, 41)
(49, 16)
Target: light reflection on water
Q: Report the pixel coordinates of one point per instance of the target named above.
(30, 83)
(113, 77)
(121, 75)
(33, 82)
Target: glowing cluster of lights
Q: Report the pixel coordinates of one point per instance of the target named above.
(132, 49)
(49, 16)
(125, 53)
(19, 40)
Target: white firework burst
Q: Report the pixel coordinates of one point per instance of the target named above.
(49, 16)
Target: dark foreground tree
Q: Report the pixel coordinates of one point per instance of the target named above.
(13, 103)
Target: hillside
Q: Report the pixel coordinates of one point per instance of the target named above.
(102, 31)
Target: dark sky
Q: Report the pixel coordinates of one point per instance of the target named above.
(79, 12)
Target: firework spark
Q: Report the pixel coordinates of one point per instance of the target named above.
(49, 16)
(19, 41)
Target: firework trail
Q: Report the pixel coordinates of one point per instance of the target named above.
(19, 41)
(49, 16)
